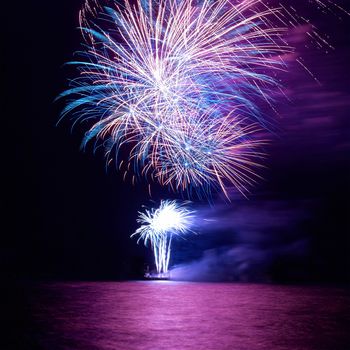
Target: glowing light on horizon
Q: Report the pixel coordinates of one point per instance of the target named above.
(159, 226)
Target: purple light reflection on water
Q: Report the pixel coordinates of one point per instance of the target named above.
(174, 315)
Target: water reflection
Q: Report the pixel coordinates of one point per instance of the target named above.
(174, 315)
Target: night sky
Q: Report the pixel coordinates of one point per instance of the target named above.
(66, 217)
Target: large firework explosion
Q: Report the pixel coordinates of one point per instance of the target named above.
(172, 89)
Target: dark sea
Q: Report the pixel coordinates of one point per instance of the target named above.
(165, 315)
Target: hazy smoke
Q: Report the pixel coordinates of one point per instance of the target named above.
(257, 240)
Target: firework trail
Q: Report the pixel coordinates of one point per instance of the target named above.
(159, 226)
(172, 90)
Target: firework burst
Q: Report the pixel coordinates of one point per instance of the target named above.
(172, 88)
(159, 226)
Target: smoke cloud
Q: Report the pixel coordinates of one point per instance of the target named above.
(251, 242)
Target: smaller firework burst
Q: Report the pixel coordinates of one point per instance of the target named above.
(159, 226)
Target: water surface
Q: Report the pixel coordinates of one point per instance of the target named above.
(159, 315)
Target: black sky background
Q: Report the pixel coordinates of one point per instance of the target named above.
(67, 218)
